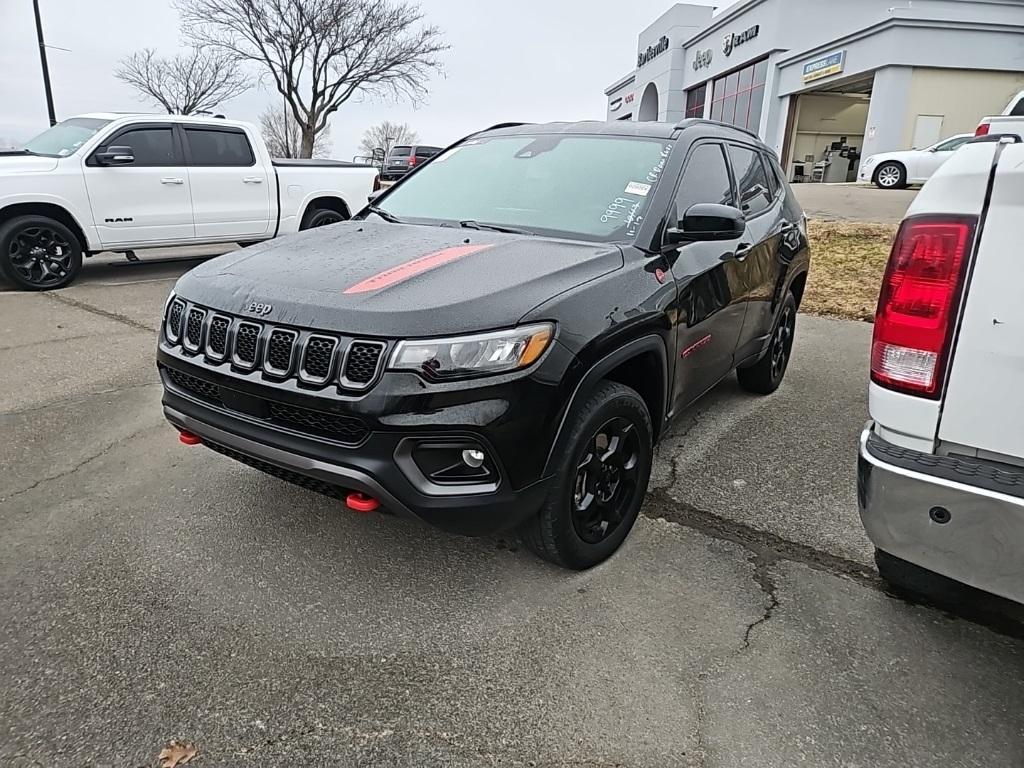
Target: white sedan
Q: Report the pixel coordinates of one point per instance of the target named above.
(895, 170)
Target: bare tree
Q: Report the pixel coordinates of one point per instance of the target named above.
(320, 53)
(386, 135)
(196, 81)
(284, 136)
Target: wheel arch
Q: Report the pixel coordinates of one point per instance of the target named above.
(50, 210)
(328, 202)
(641, 364)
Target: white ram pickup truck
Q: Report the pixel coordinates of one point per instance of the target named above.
(941, 469)
(1011, 121)
(114, 182)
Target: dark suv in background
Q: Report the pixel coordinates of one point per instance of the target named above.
(498, 342)
(402, 159)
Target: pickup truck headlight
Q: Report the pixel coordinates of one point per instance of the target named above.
(475, 355)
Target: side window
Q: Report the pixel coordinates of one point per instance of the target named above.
(1018, 109)
(952, 144)
(751, 180)
(775, 178)
(705, 179)
(151, 146)
(216, 147)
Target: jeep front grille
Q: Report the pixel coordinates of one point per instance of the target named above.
(315, 359)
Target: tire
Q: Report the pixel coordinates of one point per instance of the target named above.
(891, 176)
(917, 583)
(38, 253)
(765, 376)
(321, 217)
(593, 503)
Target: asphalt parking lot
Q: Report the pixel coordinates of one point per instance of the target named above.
(854, 202)
(150, 591)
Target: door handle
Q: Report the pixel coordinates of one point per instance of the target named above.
(252, 180)
(742, 251)
(171, 180)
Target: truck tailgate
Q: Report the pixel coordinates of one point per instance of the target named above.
(983, 409)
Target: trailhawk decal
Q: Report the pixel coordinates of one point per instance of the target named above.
(410, 269)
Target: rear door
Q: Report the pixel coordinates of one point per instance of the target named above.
(983, 408)
(148, 201)
(759, 270)
(231, 191)
(711, 304)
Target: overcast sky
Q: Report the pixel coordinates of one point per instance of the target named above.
(531, 60)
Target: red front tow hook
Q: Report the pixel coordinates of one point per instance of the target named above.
(360, 502)
(188, 438)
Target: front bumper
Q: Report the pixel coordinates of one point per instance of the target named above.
(980, 545)
(398, 412)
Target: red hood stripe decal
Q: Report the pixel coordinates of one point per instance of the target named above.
(410, 269)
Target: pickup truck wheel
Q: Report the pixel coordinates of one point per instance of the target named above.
(891, 176)
(765, 376)
(38, 253)
(320, 217)
(596, 495)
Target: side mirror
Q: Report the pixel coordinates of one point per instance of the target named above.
(374, 195)
(116, 156)
(707, 222)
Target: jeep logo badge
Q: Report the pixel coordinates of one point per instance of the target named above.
(258, 308)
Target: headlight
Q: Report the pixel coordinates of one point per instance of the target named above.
(475, 355)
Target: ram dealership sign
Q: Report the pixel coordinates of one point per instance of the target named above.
(733, 40)
(652, 51)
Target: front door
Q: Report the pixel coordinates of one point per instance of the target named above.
(147, 201)
(231, 191)
(709, 277)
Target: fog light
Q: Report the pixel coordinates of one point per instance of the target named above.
(473, 458)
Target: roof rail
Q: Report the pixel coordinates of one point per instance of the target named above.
(690, 121)
(496, 126)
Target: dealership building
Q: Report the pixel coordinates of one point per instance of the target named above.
(819, 78)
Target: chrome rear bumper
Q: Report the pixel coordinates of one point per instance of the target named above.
(981, 544)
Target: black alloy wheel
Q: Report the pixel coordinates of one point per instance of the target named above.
(765, 376)
(321, 217)
(600, 485)
(606, 480)
(39, 253)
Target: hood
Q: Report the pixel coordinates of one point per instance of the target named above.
(381, 279)
(22, 163)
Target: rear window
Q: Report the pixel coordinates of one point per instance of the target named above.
(1018, 109)
(219, 147)
(401, 151)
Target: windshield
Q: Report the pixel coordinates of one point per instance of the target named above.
(587, 187)
(66, 137)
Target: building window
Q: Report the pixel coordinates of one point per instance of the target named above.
(695, 98)
(737, 98)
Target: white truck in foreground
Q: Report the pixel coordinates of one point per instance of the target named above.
(114, 182)
(941, 469)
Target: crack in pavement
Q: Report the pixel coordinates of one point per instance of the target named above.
(77, 399)
(767, 584)
(79, 465)
(77, 304)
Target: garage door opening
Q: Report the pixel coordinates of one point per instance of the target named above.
(825, 132)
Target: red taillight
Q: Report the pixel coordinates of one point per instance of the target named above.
(918, 303)
(376, 183)
(412, 160)
(983, 129)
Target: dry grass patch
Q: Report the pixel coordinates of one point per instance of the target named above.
(847, 263)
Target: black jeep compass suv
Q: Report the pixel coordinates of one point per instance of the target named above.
(499, 340)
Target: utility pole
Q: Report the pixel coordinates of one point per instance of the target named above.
(46, 68)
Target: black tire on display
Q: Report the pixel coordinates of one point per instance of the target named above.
(596, 495)
(38, 253)
(320, 217)
(765, 376)
(891, 176)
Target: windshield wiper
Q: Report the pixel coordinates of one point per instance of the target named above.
(21, 151)
(470, 224)
(386, 215)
